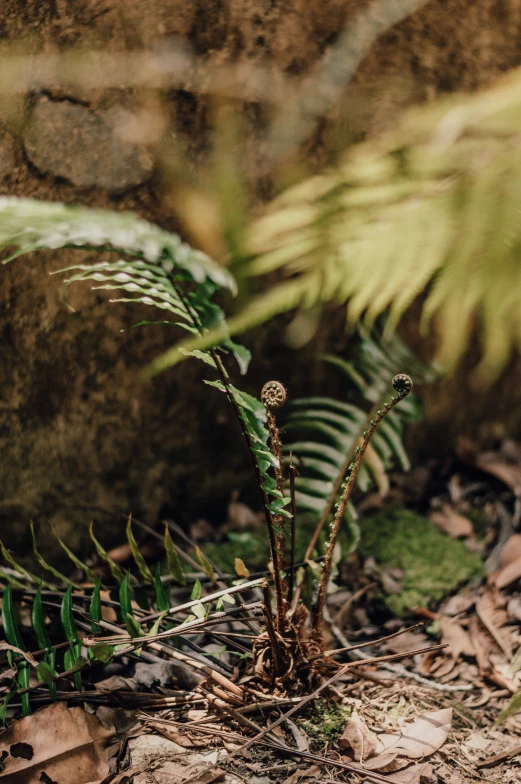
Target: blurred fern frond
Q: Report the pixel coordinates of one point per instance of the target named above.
(325, 431)
(433, 207)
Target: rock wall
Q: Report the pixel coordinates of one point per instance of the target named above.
(79, 435)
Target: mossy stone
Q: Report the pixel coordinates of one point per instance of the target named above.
(433, 564)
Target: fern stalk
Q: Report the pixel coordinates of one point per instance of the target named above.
(273, 396)
(402, 384)
(293, 524)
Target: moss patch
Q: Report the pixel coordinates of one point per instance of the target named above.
(433, 564)
(324, 722)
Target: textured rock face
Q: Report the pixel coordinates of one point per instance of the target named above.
(78, 433)
(68, 140)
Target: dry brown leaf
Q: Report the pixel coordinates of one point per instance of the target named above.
(421, 737)
(509, 473)
(383, 762)
(303, 773)
(457, 604)
(358, 737)
(493, 617)
(458, 640)
(301, 739)
(511, 550)
(415, 774)
(65, 743)
(451, 522)
(508, 574)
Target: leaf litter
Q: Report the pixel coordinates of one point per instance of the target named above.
(432, 718)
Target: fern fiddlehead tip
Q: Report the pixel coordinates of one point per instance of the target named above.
(273, 394)
(402, 384)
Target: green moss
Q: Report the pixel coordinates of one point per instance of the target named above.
(433, 564)
(324, 722)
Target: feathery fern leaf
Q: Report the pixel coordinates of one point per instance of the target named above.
(327, 430)
(432, 206)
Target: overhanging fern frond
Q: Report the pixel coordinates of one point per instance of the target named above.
(432, 207)
(28, 224)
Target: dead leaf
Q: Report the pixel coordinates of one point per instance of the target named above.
(451, 522)
(358, 737)
(511, 550)
(415, 774)
(457, 604)
(509, 473)
(493, 617)
(67, 744)
(173, 734)
(4, 646)
(420, 738)
(303, 773)
(508, 574)
(458, 640)
(301, 739)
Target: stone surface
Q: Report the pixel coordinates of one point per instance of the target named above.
(7, 154)
(69, 140)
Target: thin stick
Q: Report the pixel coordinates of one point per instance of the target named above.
(293, 525)
(402, 384)
(370, 643)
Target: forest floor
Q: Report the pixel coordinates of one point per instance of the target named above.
(439, 561)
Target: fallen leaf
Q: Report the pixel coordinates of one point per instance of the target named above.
(420, 738)
(493, 617)
(508, 574)
(301, 739)
(509, 473)
(65, 744)
(421, 772)
(457, 604)
(358, 737)
(303, 773)
(458, 640)
(448, 775)
(511, 550)
(451, 522)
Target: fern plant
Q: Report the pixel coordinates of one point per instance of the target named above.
(160, 271)
(323, 432)
(430, 209)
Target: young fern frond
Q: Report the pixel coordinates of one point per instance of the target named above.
(402, 385)
(323, 432)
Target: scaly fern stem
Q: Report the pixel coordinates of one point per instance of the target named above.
(331, 500)
(224, 376)
(276, 449)
(291, 579)
(402, 384)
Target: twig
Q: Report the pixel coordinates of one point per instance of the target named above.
(504, 755)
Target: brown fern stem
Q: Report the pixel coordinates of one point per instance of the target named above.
(293, 525)
(402, 385)
(273, 395)
(224, 376)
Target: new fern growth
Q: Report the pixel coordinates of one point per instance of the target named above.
(159, 270)
(402, 384)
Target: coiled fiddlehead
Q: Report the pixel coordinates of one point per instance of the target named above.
(402, 385)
